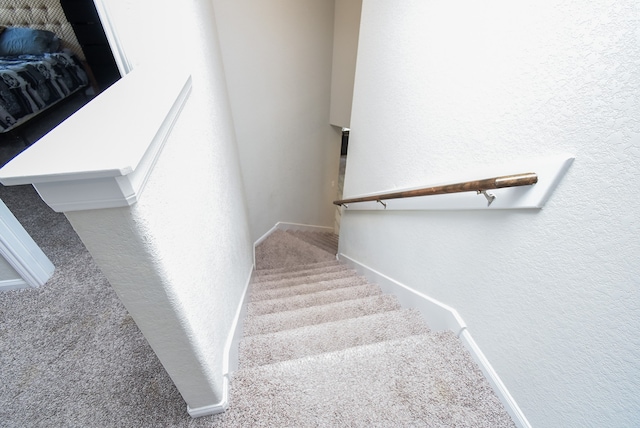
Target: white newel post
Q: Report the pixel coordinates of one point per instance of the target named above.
(94, 172)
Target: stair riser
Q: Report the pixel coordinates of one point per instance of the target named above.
(328, 337)
(279, 293)
(283, 276)
(279, 321)
(267, 285)
(303, 267)
(321, 240)
(313, 299)
(327, 245)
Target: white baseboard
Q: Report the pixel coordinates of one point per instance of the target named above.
(441, 317)
(496, 383)
(282, 225)
(231, 364)
(214, 408)
(13, 284)
(437, 315)
(230, 356)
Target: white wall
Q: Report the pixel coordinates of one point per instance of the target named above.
(277, 57)
(345, 49)
(551, 296)
(184, 249)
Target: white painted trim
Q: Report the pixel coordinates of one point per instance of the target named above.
(260, 240)
(230, 363)
(442, 317)
(13, 284)
(213, 409)
(21, 252)
(72, 172)
(283, 225)
(230, 355)
(550, 171)
(266, 235)
(437, 315)
(496, 383)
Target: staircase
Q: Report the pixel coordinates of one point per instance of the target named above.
(324, 347)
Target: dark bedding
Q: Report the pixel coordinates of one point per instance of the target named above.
(31, 83)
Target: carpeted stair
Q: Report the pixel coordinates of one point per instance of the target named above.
(323, 347)
(325, 240)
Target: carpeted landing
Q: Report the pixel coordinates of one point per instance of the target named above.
(323, 347)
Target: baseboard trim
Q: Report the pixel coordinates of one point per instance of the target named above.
(283, 225)
(213, 409)
(441, 317)
(237, 329)
(230, 356)
(496, 383)
(437, 315)
(13, 284)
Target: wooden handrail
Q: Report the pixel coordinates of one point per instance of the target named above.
(466, 186)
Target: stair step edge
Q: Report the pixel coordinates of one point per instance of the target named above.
(303, 266)
(295, 274)
(285, 320)
(337, 354)
(288, 282)
(306, 288)
(313, 299)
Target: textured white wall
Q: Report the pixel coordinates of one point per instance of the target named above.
(551, 296)
(277, 57)
(345, 48)
(181, 256)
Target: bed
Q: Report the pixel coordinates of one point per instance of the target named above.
(29, 84)
(41, 61)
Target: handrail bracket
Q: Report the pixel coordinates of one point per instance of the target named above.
(490, 196)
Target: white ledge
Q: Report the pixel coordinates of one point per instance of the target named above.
(101, 156)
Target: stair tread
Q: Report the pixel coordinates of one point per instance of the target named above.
(422, 380)
(327, 241)
(262, 307)
(314, 287)
(300, 267)
(278, 321)
(311, 271)
(330, 336)
(282, 249)
(306, 279)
